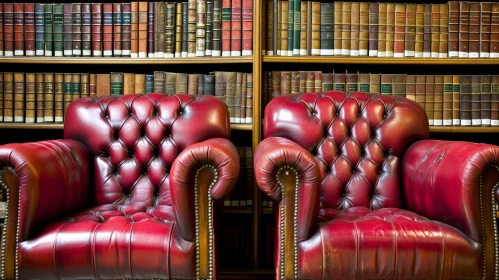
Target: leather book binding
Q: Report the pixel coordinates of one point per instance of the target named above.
(97, 29)
(355, 29)
(494, 101)
(364, 29)
(410, 30)
(438, 102)
(170, 30)
(107, 29)
(67, 29)
(8, 29)
(68, 90)
(76, 30)
(364, 82)
(485, 99)
(430, 98)
(419, 37)
(421, 91)
(126, 28)
(140, 84)
(427, 31)
(143, 22)
(305, 36)
(103, 85)
(465, 100)
(76, 81)
(92, 87)
(464, 28)
(296, 27)
(30, 88)
(494, 31)
(39, 30)
(456, 100)
(269, 29)
(390, 29)
(375, 83)
(200, 84)
(244, 90)
(399, 85)
(151, 10)
(181, 86)
(191, 28)
(128, 83)
(285, 82)
(295, 82)
(249, 98)
(339, 81)
(317, 81)
(201, 26)
(453, 39)
(247, 32)
(116, 83)
(387, 84)
(192, 86)
(149, 83)
(476, 118)
(399, 44)
(84, 85)
(18, 31)
(237, 98)
(48, 97)
(18, 95)
(1, 46)
(410, 87)
(444, 31)
(474, 33)
(346, 19)
(134, 31)
(86, 29)
(58, 30)
(40, 95)
(171, 83)
(117, 29)
(209, 84)
(447, 109)
(49, 35)
(1, 90)
(209, 28)
(59, 97)
(217, 28)
(8, 97)
(373, 28)
(159, 81)
(178, 30)
(351, 81)
(327, 30)
(435, 30)
(382, 27)
(284, 27)
(160, 30)
(337, 18)
(29, 29)
(485, 26)
(316, 28)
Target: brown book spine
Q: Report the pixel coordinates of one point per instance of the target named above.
(456, 100)
(1, 46)
(107, 29)
(134, 30)
(18, 30)
(419, 37)
(453, 40)
(304, 35)
(276, 85)
(351, 81)
(309, 82)
(316, 28)
(235, 35)
(438, 102)
(230, 93)
(59, 97)
(140, 84)
(86, 29)
(465, 100)
(85, 85)
(476, 118)
(464, 28)
(364, 29)
(30, 105)
(117, 29)
(485, 26)
(220, 87)
(364, 83)
(143, 22)
(209, 28)
(421, 90)
(285, 82)
(387, 84)
(238, 97)
(18, 96)
(494, 31)
(126, 29)
(92, 87)
(390, 29)
(226, 26)
(67, 25)
(159, 29)
(8, 29)
(170, 87)
(8, 97)
(76, 30)
(399, 44)
(338, 27)
(159, 81)
(1, 92)
(410, 87)
(178, 30)
(435, 30)
(399, 85)
(427, 31)
(284, 27)
(128, 83)
(269, 32)
(76, 80)
(303, 81)
(68, 90)
(355, 29)
(346, 19)
(97, 29)
(373, 28)
(494, 101)
(430, 98)
(474, 34)
(29, 29)
(485, 99)
(249, 98)
(382, 30)
(327, 81)
(181, 86)
(339, 81)
(317, 81)
(48, 97)
(444, 31)
(40, 97)
(170, 29)
(375, 83)
(244, 98)
(103, 85)
(192, 88)
(448, 95)
(410, 30)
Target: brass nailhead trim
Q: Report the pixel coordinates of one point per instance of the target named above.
(6, 221)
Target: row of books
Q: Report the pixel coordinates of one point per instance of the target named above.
(137, 29)
(242, 194)
(44, 97)
(455, 29)
(450, 100)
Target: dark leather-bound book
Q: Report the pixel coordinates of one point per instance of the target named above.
(220, 86)
(249, 98)
(453, 39)
(476, 118)
(76, 30)
(160, 29)
(181, 86)
(86, 29)
(339, 80)
(149, 83)
(1, 94)
(209, 28)
(116, 83)
(244, 99)
(309, 82)
(8, 29)
(318, 81)
(430, 98)
(464, 28)
(134, 29)
(485, 15)
(178, 30)
(40, 96)
(150, 29)
(170, 31)
(117, 28)
(30, 97)
(97, 29)
(191, 28)
(285, 82)
(29, 29)
(494, 31)
(399, 44)
(67, 29)
(238, 97)
(327, 81)
(427, 31)
(217, 28)
(19, 29)
(247, 28)
(58, 30)
(8, 97)
(209, 84)
(126, 28)
(76, 81)
(485, 99)
(68, 89)
(474, 34)
(438, 102)
(159, 81)
(295, 82)
(387, 84)
(327, 29)
(107, 29)
(200, 84)
(456, 100)
(373, 28)
(444, 31)
(494, 101)
(447, 115)
(39, 29)
(236, 28)
(435, 30)
(192, 84)
(1, 33)
(465, 100)
(276, 84)
(48, 97)
(18, 97)
(58, 97)
(351, 81)
(49, 34)
(230, 89)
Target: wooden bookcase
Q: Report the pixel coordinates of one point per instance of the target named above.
(258, 63)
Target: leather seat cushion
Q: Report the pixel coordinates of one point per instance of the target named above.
(389, 243)
(105, 242)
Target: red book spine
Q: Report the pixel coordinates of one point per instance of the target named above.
(126, 29)
(107, 29)
(8, 28)
(86, 29)
(226, 20)
(29, 28)
(97, 29)
(19, 29)
(117, 20)
(236, 25)
(247, 27)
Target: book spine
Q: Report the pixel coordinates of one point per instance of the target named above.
(39, 29)
(447, 100)
(352, 80)
(476, 119)
(8, 97)
(200, 84)
(295, 82)
(40, 94)
(85, 85)
(373, 29)
(363, 85)
(327, 82)
(117, 29)
(67, 22)
(285, 85)
(464, 28)
(244, 89)
(485, 99)
(364, 29)
(494, 101)
(339, 80)
(296, 27)
(217, 28)
(126, 28)
(386, 84)
(48, 97)
(474, 31)
(290, 26)
(270, 28)
(303, 28)
(170, 30)
(157, 30)
(140, 84)
(337, 18)
(128, 83)
(284, 12)
(390, 29)
(346, 19)
(247, 32)
(1, 47)
(182, 82)
(18, 95)
(171, 83)
(410, 31)
(355, 29)
(1, 88)
(317, 81)
(382, 29)
(435, 30)
(438, 103)
(419, 36)
(427, 31)
(18, 30)
(92, 85)
(97, 29)
(59, 97)
(86, 28)
(103, 85)
(151, 9)
(29, 29)
(191, 28)
(160, 37)
(249, 98)
(116, 83)
(30, 105)
(430, 99)
(316, 29)
(237, 98)
(444, 31)
(149, 83)
(485, 26)
(159, 82)
(48, 21)
(465, 100)
(453, 40)
(76, 30)
(456, 100)
(209, 27)
(8, 32)
(410, 87)
(134, 29)
(68, 90)
(58, 30)
(494, 31)
(107, 29)
(76, 81)
(421, 91)
(209, 85)
(143, 22)
(235, 42)
(201, 27)
(399, 44)
(178, 30)
(399, 85)
(327, 29)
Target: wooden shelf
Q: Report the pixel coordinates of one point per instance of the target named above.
(237, 126)
(125, 60)
(380, 60)
(464, 129)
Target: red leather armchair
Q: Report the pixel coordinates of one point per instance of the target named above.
(127, 194)
(363, 194)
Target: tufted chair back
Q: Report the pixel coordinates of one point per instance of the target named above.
(358, 140)
(134, 140)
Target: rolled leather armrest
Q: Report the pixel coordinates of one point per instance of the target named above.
(51, 181)
(446, 181)
(217, 153)
(275, 153)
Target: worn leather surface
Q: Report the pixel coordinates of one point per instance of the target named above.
(387, 211)
(123, 223)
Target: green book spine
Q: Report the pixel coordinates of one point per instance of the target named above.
(116, 83)
(297, 27)
(291, 26)
(48, 20)
(58, 30)
(76, 86)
